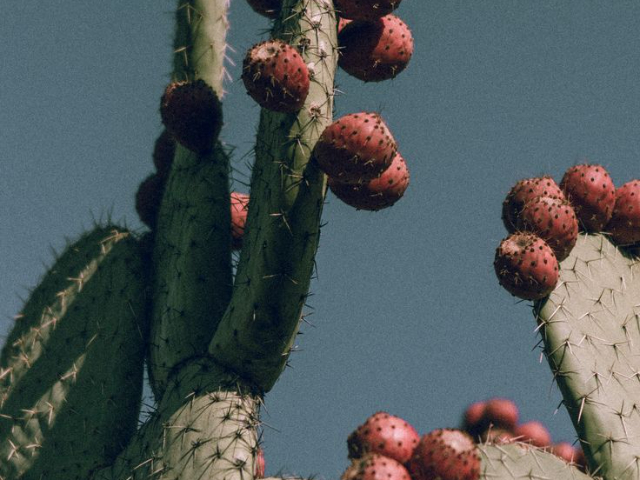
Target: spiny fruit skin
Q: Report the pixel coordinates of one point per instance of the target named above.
(533, 432)
(192, 113)
(385, 434)
(356, 148)
(365, 9)
(163, 152)
(379, 193)
(374, 466)
(624, 225)
(239, 208)
(375, 50)
(526, 266)
(148, 198)
(523, 192)
(592, 193)
(553, 220)
(266, 8)
(276, 76)
(445, 454)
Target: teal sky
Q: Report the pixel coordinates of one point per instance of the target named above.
(407, 316)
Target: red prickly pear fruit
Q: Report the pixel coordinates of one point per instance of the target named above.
(276, 76)
(533, 432)
(565, 451)
(192, 113)
(522, 193)
(376, 50)
(499, 436)
(592, 193)
(580, 459)
(374, 466)
(266, 8)
(526, 266)
(553, 220)
(343, 22)
(365, 9)
(624, 225)
(148, 198)
(259, 464)
(445, 454)
(501, 413)
(472, 419)
(385, 434)
(379, 193)
(239, 207)
(355, 148)
(163, 152)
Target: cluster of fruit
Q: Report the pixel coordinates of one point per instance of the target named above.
(544, 219)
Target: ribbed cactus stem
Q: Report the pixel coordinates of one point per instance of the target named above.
(283, 225)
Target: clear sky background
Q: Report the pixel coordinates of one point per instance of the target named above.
(408, 316)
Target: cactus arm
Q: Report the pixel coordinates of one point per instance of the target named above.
(520, 461)
(589, 325)
(192, 253)
(283, 225)
(73, 396)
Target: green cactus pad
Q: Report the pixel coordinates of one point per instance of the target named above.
(73, 364)
(590, 325)
(522, 461)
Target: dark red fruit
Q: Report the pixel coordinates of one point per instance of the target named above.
(501, 413)
(192, 113)
(239, 208)
(445, 454)
(565, 450)
(553, 220)
(473, 417)
(379, 193)
(376, 50)
(526, 266)
(343, 22)
(592, 193)
(355, 148)
(533, 432)
(374, 466)
(276, 76)
(365, 9)
(385, 434)
(163, 152)
(266, 8)
(624, 225)
(523, 192)
(148, 198)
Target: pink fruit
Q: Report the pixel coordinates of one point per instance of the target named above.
(365, 9)
(526, 266)
(148, 198)
(276, 76)
(385, 434)
(375, 50)
(523, 192)
(502, 413)
(239, 208)
(379, 193)
(533, 432)
(374, 466)
(192, 113)
(259, 465)
(472, 418)
(445, 454)
(564, 450)
(592, 193)
(552, 219)
(266, 8)
(343, 22)
(624, 225)
(355, 148)
(163, 152)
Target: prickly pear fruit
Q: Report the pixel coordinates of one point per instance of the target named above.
(374, 466)
(385, 434)
(148, 198)
(276, 76)
(266, 8)
(592, 193)
(379, 193)
(192, 113)
(502, 413)
(445, 454)
(564, 450)
(163, 152)
(533, 432)
(355, 148)
(376, 50)
(624, 225)
(365, 9)
(526, 266)
(553, 220)
(260, 464)
(496, 436)
(343, 22)
(239, 207)
(523, 192)
(472, 420)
